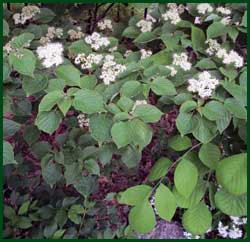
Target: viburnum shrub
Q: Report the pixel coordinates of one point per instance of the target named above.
(119, 116)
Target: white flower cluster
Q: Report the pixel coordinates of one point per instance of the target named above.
(204, 86)
(152, 202)
(232, 231)
(82, 121)
(181, 60)
(173, 13)
(97, 41)
(126, 54)
(188, 235)
(8, 48)
(87, 61)
(51, 34)
(105, 24)
(226, 20)
(224, 11)
(145, 53)
(75, 34)
(51, 54)
(173, 71)
(144, 25)
(204, 8)
(231, 57)
(28, 12)
(112, 49)
(110, 69)
(138, 103)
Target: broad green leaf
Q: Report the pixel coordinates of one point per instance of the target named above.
(216, 29)
(52, 173)
(244, 19)
(198, 38)
(131, 156)
(6, 28)
(100, 126)
(142, 218)
(144, 37)
(197, 219)
(88, 101)
(24, 62)
(205, 63)
(125, 104)
(121, 134)
(210, 155)
(230, 72)
(171, 42)
(86, 185)
(8, 154)
(185, 177)
(165, 202)
(64, 104)
(58, 234)
(186, 123)
(162, 57)
(205, 130)
(50, 100)
(34, 85)
(10, 127)
(231, 173)
(92, 167)
(148, 113)
(194, 198)
(235, 108)
(188, 106)
(48, 121)
(135, 195)
(214, 110)
(55, 85)
(179, 143)
(22, 40)
(130, 88)
(224, 121)
(88, 81)
(159, 169)
(162, 86)
(24, 208)
(46, 15)
(230, 204)
(78, 47)
(69, 73)
(130, 32)
(74, 212)
(31, 134)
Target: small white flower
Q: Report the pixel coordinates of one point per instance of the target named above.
(197, 20)
(223, 230)
(127, 53)
(105, 24)
(172, 15)
(226, 20)
(145, 53)
(213, 46)
(28, 12)
(145, 25)
(82, 120)
(138, 103)
(230, 58)
(204, 8)
(75, 34)
(224, 11)
(97, 41)
(173, 71)
(51, 54)
(235, 232)
(182, 61)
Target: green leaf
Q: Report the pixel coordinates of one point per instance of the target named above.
(48, 121)
(23, 222)
(165, 202)
(50, 100)
(159, 169)
(205, 130)
(130, 88)
(230, 204)
(198, 38)
(88, 101)
(197, 219)
(224, 121)
(8, 154)
(205, 63)
(34, 85)
(10, 127)
(131, 156)
(171, 42)
(179, 143)
(125, 104)
(88, 82)
(148, 113)
(236, 108)
(6, 28)
(130, 32)
(55, 85)
(231, 173)
(162, 86)
(79, 46)
(64, 104)
(162, 57)
(46, 15)
(100, 126)
(92, 167)
(135, 195)
(52, 173)
(69, 73)
(142, 218)
(22, 40)
(230, 72)
(58, 234)
(144, 38)
(244, 19)
(24, 62)
(210, 155)
(194, 198)
(186, 123)
(233, 32)
(185, 177)
(31, 134)
(86, 185)
(121, 134)
(74, 212)
(24, 208)
(214, 110)
(188, 106)
(141, 134)
(216, 29)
